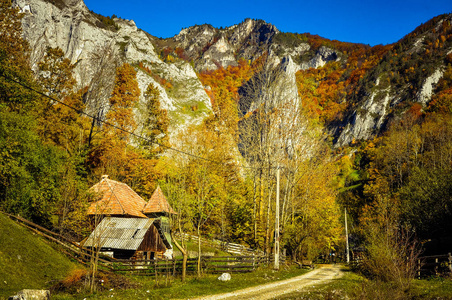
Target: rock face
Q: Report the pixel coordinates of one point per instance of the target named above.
(211, 48)
(97, 47)
(381, 100)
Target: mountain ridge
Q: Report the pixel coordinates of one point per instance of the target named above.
(362, 105)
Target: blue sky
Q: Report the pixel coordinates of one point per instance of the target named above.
(368, 22)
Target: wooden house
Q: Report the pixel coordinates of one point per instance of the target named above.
(129, 226)
(129, 238)
(158, 207)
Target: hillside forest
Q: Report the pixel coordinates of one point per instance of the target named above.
(220, 175)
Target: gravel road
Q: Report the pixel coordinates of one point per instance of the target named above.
(275, 289)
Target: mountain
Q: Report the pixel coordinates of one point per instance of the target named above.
(97, 45)
(407, 73)
(356, 91)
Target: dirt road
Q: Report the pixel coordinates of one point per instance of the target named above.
(275, 289)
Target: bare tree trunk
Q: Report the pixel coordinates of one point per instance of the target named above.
(261, 198)
(267, 226)
(199, 252)
(254, 208)
(184, 256)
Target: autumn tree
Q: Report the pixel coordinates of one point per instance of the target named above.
(175, 186)
(264, 131)
(55, 74)
(224, 85)
(14, 60)
(111, 151)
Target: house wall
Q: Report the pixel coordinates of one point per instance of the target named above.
(152, 241)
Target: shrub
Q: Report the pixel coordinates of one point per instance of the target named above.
(391, 256)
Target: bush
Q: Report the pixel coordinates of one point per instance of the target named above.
(391, 257)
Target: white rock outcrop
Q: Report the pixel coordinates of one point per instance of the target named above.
(425, 94)
(93, 47)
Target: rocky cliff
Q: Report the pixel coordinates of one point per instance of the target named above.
(407, 74)
(97, 45)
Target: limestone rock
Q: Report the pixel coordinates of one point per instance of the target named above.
(31, 295)
(98, 48)
(225, 277)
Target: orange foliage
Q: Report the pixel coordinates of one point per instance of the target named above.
(415, 111)
(323, 90)
(224, 85)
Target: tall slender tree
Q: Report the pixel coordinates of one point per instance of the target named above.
(156, 122)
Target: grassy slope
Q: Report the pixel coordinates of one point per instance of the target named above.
(26, 261)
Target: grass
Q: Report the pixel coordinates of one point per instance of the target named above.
(192, 247)
(27, 261)
(434, 288)
(193, 287)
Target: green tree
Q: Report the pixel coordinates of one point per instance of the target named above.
(156, 122)
(123, 99)
(30, 170)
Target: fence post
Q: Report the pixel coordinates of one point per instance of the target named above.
(156, 273)
(419, 269)
(450, 262)
(436, 266)
(254, 261)
(174, 266)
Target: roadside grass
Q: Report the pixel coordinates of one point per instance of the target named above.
(193, 287)
(27, 261)
(354, 286)
(433, 288)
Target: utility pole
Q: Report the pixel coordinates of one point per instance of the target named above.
(277, 222)
(346, 237)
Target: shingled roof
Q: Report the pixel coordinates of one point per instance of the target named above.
(158, 203)
(116, 199)
(119, 233)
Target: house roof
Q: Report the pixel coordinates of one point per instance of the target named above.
(117, 199)
(158, 203)
(119, 233)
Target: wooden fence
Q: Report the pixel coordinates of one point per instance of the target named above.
(232, 248)
(434, 265)
(173, 267)
(159, 267)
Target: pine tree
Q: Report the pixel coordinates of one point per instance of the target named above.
(123, 99)
(155, 127)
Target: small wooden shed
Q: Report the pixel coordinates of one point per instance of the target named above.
(129, 238)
